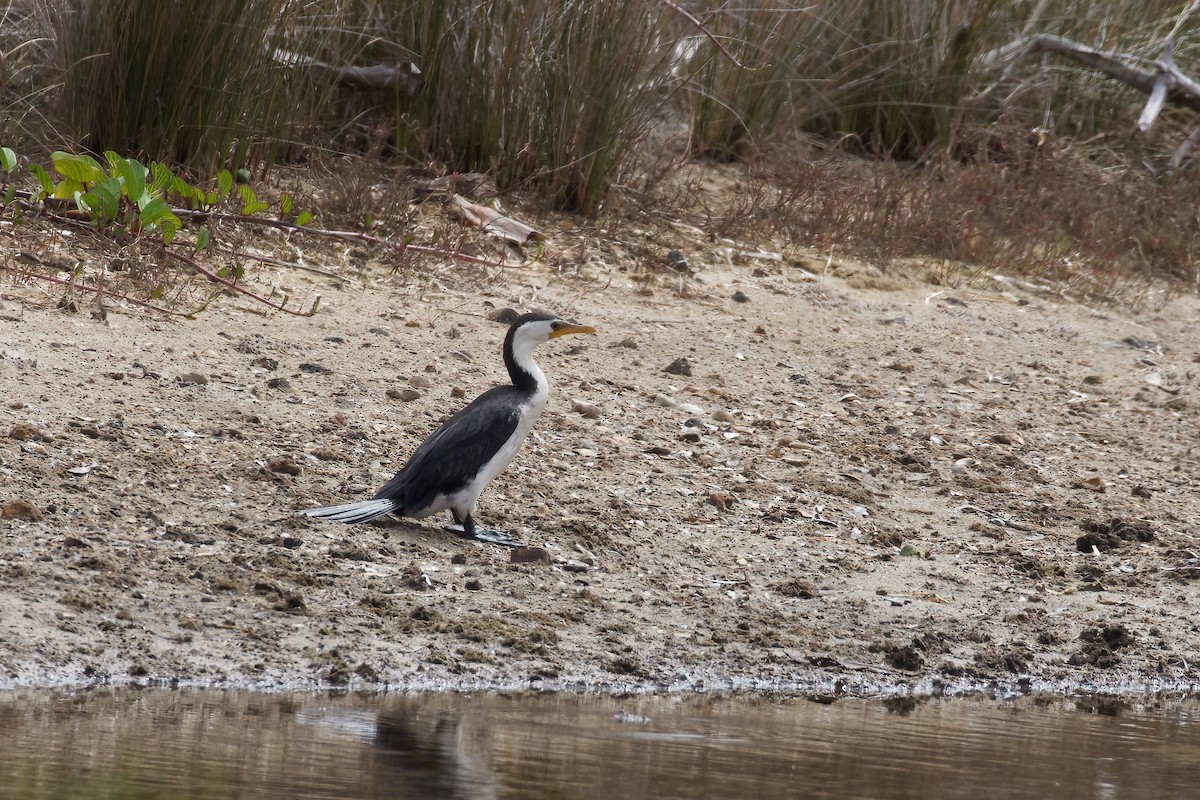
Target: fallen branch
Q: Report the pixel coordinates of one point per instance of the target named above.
(357, 236)
(234, 286)
(1166, 84)
(60, 209)
(278, 262)
(405, 76)
(492, 221)
(96, 290)
(703, 28)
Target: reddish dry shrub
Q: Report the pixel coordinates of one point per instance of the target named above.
(1038, 210)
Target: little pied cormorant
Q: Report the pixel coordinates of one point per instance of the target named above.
(453, 466)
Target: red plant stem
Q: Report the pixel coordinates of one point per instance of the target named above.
(105, 292)
(358, 236)
(703, 28)
(215, 278)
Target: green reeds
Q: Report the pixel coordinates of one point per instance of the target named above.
(193, 83)
(548, 95)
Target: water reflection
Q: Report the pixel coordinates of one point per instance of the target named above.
(432, 755)
(210, 744)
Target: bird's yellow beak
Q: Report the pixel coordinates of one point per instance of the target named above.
(570, 327)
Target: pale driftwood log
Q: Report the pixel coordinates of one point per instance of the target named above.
(492, 221)
(1184, 148)
(1165, 84)
(405, 76)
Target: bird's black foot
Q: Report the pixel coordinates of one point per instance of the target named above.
(466, 528)
(489, 535)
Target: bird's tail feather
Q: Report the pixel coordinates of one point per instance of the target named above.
(363, 511)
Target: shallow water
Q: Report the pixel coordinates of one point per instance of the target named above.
(230, 744)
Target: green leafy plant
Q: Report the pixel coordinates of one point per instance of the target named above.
(128, 199)
(119, 196)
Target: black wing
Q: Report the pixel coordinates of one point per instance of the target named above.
(452, 456)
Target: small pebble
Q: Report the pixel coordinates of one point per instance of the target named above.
(327, 454)
(315, 369)
(284, 465)
(661, 399)
(1144, 344)
(677, 261)
(22, 510)
(506, 316)
(740, 297)
(585, 409)
(528, 555)
(720, 501)
(407, 395)
(23, 432)
(679, 366)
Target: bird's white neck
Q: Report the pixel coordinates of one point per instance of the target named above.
(525, 373)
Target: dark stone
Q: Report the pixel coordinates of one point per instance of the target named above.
(505, 316)
(283, 465)
(527, 555)
(907, 658)
(679, 366)
(797, 588)
(315, 369)
(1105, 536)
